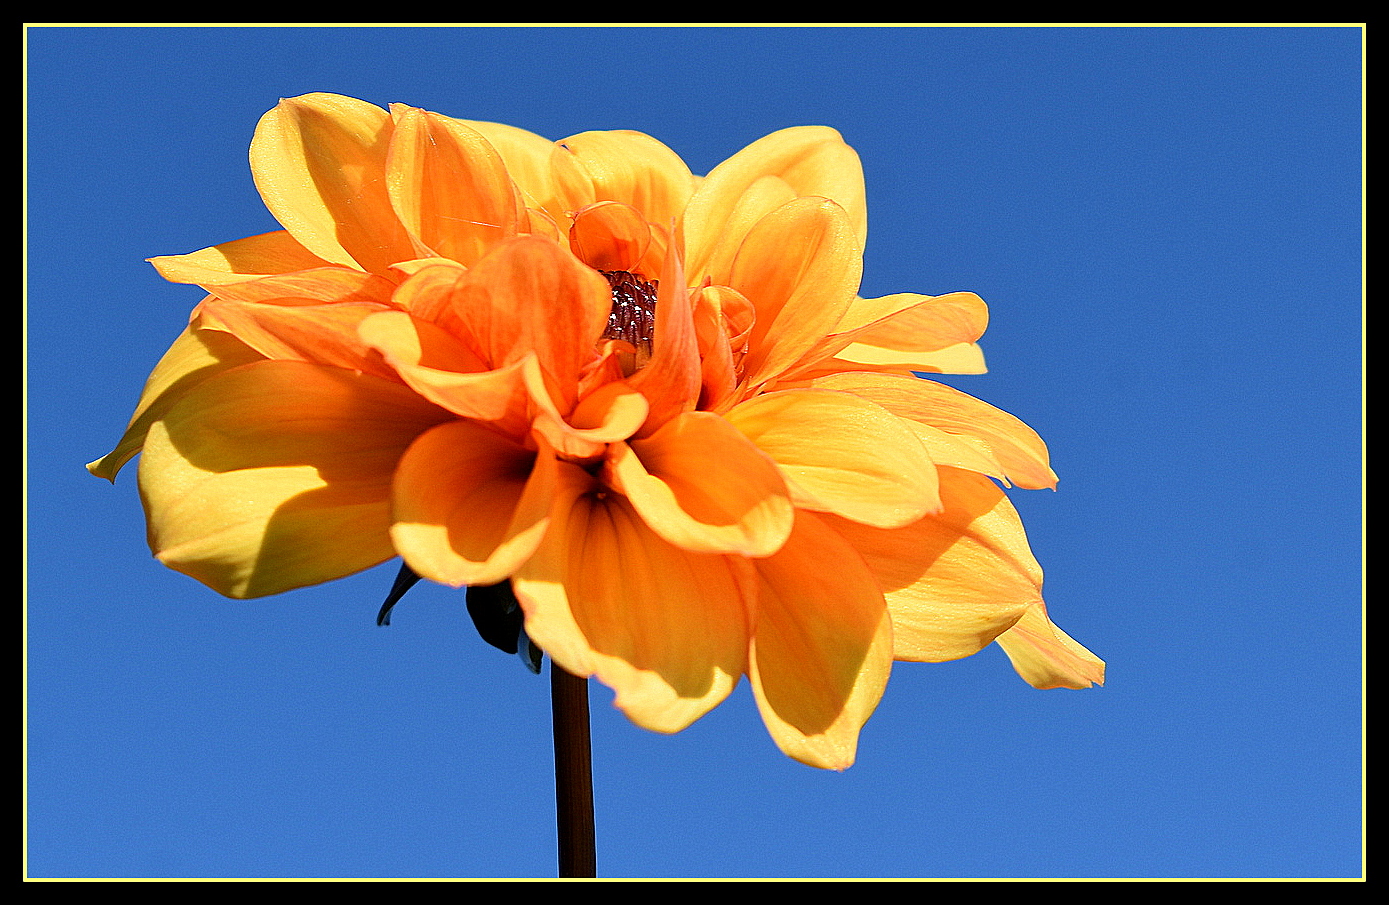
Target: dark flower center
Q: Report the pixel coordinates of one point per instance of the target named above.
(633, 315)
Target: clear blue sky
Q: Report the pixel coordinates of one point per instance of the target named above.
(1166, 225)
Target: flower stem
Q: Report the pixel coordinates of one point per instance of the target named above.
(573, 774)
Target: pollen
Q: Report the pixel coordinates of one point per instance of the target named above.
(632, 318)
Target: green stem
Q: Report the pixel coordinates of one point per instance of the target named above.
(573, 774)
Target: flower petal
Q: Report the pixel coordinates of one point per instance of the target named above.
(906, 322)
(811, 160)
(671, 380)
(319, 161)
(1016, 447)
(251, 258)
(325, 334)
(470, 505)
(703, 486)
(277, 475)
(954, 581)
(449, 186)
(603, 595)
(1047, 657)
(532, 297)
(626, 166)
(843, 454)
(800, 267)
(822, 645)
(197, 354)
(610, 236)
(441, 369)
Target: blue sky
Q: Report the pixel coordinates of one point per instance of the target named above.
(1166, 224)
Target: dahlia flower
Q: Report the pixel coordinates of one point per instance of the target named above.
(652, 402)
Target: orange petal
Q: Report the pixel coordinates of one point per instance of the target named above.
(603, 595)
(822, 645)
(443, 370)
(326, 334)
(1047, 657)
(532, 297)
(470, 505)
(610, 236)
(527, 159)
(843, 454)
(319, 161)
(620, 165)
(610, 413)
(1017, 447)
(277, 475)
(811, 160)
(449, 186)
(197, 354)
(703, 486)
(957, 580)
(800, 267)
(672, 378)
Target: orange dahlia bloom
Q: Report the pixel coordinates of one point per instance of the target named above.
(653, 402)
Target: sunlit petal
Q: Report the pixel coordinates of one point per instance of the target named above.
(1047, 657)
(1017, 447)
(843, 454)
(325, 334)
(800, 267)
(319, 161)
(277, 475)
(621, 165)
(811, 160)
(449, 186)
(822, 645)
(197, 354)
(663, 627)
(241, 259)
(470, 506)
(702, 485)
(956, 580)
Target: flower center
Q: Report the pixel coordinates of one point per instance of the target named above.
(633, 315)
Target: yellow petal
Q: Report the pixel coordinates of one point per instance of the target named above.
(470, 504)
(1017, 447)
(604, 596)
(715, 262)
(196, 355)
(962, 358)
(905, 323)
(843, 454)
(449, 186)
(319, 162)
(811, 160)
(1047, 657)
(703, 486)
(957, 580)
(822, 645)
(243, 259)
(527, 159)
(800, 267)
(277, 475)
(621, 165)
